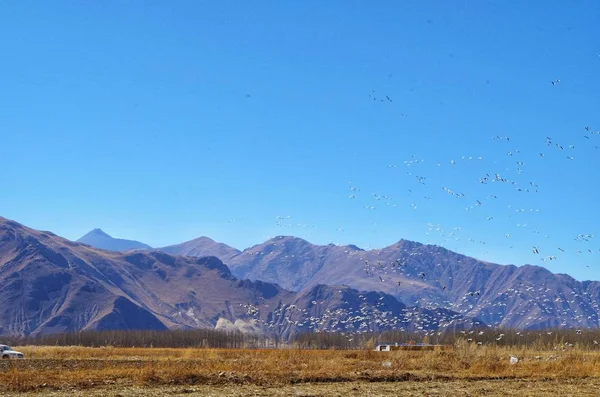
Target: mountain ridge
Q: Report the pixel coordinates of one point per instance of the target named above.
(429, 274)
(49, 284)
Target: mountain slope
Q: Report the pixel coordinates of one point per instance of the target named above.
(291, 262)
(99, 239)
(508, 296)
(50, 284)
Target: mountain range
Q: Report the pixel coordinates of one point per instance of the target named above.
(525, 297)
(49, 284)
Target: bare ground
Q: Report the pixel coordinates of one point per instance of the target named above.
(530, 388)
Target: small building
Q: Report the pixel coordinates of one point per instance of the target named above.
(384, 347)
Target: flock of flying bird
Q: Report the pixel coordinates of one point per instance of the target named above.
(367, 317)
(369, 312)
(490, 178)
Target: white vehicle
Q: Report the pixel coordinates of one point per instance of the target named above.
(7, 352)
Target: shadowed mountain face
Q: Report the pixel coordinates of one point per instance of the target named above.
(50, 284)
(429, 276)
(99, 239)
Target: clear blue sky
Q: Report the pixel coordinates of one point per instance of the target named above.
(164, 121)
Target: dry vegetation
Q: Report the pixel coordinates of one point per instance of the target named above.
(54, 368)
(156, 363)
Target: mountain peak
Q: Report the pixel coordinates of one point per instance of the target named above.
(98, 232)
(204, 239)
(404, 244)
(286, 239)
(354, 247)
(97, 238)
(202, 246)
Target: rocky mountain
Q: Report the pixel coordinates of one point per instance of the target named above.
(526, 297)
(202, 246)
(50, 284)
(99, 239)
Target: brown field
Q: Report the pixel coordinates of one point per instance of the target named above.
(466, 369)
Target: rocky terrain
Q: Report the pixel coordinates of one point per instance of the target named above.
(430, 276)
(49, 284)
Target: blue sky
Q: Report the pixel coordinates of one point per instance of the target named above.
(164, 121)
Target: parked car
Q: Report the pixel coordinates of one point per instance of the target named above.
(7, 352)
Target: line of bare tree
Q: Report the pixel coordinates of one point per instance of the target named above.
(210, 338)
(547, 339)
(199, 338)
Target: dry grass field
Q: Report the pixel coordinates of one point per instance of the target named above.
(467, 369)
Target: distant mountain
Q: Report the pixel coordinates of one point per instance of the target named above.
(49, 284)
(99, 239)
(431, 276)
(202, 246)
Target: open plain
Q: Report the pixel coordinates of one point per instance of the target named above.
(465, 370)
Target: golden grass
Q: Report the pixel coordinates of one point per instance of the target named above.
(65, 368)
